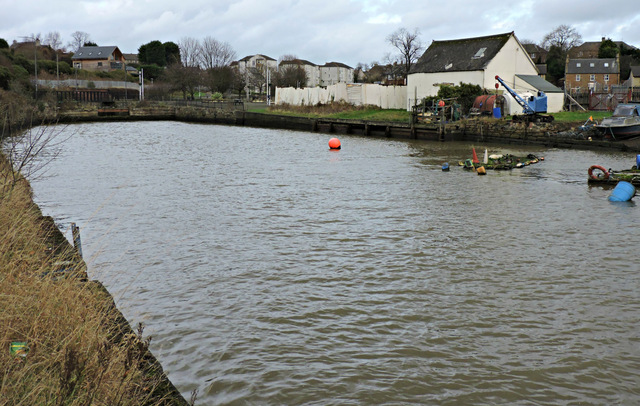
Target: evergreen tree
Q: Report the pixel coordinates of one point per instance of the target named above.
(608, 49)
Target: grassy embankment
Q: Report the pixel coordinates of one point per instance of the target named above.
(345, 111)
(80, 350)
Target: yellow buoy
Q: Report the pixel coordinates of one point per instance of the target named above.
(481, 171)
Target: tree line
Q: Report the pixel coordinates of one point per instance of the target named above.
(193, 63)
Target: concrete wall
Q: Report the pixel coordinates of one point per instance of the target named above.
(386, 97)
(83, 84)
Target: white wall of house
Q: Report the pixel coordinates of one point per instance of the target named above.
(330, 75)
(313, 75)
(387, 97)
(511, 60)
(256, 61)
(421, 85)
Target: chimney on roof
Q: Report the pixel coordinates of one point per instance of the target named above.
(603, 38)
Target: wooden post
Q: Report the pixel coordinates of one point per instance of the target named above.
(75, 231)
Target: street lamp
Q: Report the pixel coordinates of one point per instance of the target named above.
(36, 41)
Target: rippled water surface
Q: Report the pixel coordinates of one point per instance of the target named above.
(271, 270)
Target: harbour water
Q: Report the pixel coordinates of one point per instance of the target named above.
(271, 270)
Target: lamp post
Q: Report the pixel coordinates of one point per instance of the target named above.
(35, 61)
(125, 83)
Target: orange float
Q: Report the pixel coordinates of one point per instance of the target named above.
(334, 143)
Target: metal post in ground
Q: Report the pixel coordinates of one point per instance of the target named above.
(75, 231)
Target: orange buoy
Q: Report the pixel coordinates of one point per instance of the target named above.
(481, 171)
(334, 143)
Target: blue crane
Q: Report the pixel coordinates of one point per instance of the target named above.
(532, 106)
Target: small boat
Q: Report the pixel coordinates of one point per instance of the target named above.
(623, 124)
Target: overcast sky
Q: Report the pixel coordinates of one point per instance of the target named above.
(347, 31)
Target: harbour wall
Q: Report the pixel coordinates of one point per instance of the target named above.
(560, 135)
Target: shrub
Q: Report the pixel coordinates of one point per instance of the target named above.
(5, 77)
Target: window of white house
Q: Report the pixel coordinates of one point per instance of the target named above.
(606, 64)
(592, 65)
(577, 78)
(606, 78)
(592, 78)
(578, 64)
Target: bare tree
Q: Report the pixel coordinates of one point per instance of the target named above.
(78, 39)
(291, 74)
(409, 46)
(256, 78)
(215, 54)
(287, 57)
(29, 153)
(189, 49)
(54, 40)
(183, 78)
(358, 72)
(563, 37)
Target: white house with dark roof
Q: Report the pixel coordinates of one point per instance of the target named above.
(107, 58)
(335, 72)
(471, 60)
(259, 62)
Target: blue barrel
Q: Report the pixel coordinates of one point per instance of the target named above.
(496, 112)
(638, 161)
(623, 192)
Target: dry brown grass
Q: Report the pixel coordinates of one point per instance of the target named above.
(80, 349)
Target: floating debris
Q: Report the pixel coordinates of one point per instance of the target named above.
(501, 162)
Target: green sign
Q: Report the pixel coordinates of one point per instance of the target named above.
(19, 348)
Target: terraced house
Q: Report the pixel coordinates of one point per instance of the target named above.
(591, 74)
